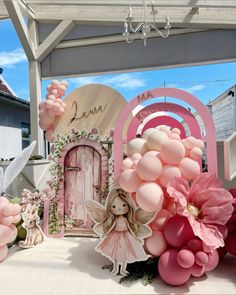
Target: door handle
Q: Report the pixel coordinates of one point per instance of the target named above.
(71, 168)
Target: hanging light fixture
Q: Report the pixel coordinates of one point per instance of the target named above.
(144, 25)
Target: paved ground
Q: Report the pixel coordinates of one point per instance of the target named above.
(70, 266)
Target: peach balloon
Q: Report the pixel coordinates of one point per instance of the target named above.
(189, 168)
(149, 197)
(149, 168)
(147, 132)
(174, 136)
(172, 151)
(199, 143)
(165, 129)
(195, 153)
(153, 154)
(185, 258)
(136, 145)
(52, 97)
(136, 156)
(65, 83)
(176, 131)
(168, 173)
(156, 244)
(160, 220)
(129, 180)
(7, 220)
(49, 135)
(5, 234)
(43, 125)
(3, 252)
(41, 105)
(126, 164)
(156, 139)
(55, 84)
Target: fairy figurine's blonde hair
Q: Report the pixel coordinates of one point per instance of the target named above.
(110, 218)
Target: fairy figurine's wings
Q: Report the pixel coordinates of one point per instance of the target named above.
(143, 218)
(16, 166)
(97, 213)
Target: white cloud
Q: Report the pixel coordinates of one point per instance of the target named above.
(11, 58)
(195, 88)
(125, 81)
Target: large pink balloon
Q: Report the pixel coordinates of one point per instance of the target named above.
(156, 244)
(189, 168)
(213, 260)
(185, 258)
(127, 163)
(150, 197)
(169, 269)
(129, 180)
(156, 139)
(5, 234)
(136, 145)
(149, 168)
(160, 220)
(178, 231)
(172, 151)
(168, 173)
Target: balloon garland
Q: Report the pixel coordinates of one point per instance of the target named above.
(158, 171)
(52, 108)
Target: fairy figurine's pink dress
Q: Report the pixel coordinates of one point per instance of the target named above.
(120, 245)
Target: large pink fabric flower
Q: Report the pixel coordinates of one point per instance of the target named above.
(205, 204)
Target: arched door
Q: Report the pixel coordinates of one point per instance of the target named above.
(82, 182)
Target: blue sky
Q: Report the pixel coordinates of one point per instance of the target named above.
(205, 82)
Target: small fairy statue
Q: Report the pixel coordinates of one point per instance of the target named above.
(122, 227)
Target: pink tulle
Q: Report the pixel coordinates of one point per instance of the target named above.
(205, 204)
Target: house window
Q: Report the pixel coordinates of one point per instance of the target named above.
(25, 134)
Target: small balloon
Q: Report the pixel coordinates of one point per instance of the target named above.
(130, 181)
(49, 135)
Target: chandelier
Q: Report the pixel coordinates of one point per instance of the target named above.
(144, 25)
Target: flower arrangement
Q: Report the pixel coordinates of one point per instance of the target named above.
(163, 174)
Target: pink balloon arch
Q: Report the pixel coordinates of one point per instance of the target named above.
(210, 137)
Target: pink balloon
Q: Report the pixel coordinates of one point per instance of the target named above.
(169, 269)
(126, 164)
(178, 231)
(149, 197)
(54, 92)
(13, 233)
(147, 132)
(168, 173)
(189, 168)
(197, 270)
(195, 153)
(136, 156)
(195, 245)
(213, 260)
(160, 220)
(5, 234)
(185, 258)
(62, 88)
(49, 135)
(65, 83)
(156, 139)
(156, 244)
(49, 88)
(230, 243)
(51, 97)
(41, 105)
(176, 131)
(153, 154)
(149, 168)
(172, 151)
(3, 252)
(16, 219)
(7, 220)
(129, 180)
(55, 84)
(49, 104)
(174, 136)
(63, 105)
(43, 125)
(51, 113)
(201, 258)
(199, 143)
(136, 145)
(165, 129)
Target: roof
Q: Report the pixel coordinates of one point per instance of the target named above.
(229, 91)
(208, 14)
(5, 87)
(11, 99)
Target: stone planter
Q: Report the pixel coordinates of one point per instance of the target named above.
(34, 176)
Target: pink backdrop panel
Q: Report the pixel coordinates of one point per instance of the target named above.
(165, 120)
(169, 92)
(187, 116)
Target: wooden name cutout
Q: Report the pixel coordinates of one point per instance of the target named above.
(95, 110)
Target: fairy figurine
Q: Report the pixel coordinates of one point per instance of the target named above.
(122, 227)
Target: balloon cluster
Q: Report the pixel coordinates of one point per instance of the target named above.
(9, 215)
(230, 242)
(154, 160)
(52, 107)
(185, 255)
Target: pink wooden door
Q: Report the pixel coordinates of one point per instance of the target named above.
(82, 182)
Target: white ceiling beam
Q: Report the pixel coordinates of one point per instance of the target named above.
(159, 3)
(53, 39)
(3, 11)
(27, 11)
(115, 38)
(20, 27)
(179, 17)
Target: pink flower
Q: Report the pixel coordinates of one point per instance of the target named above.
(205, 204)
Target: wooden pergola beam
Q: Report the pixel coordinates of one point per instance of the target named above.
(53, 39)
(17, 18)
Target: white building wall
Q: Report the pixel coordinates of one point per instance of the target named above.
(10, 142)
